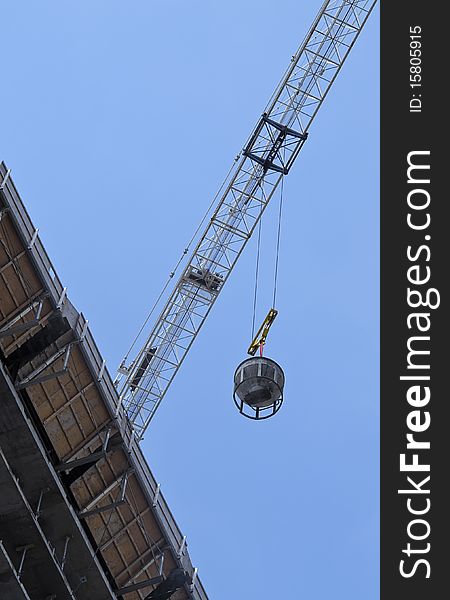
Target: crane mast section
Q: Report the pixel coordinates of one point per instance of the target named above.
(267, 157)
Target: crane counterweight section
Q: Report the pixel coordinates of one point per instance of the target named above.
(272, 147)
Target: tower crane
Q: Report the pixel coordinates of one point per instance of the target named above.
(266, 158)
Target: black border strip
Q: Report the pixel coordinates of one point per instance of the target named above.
(415, 511)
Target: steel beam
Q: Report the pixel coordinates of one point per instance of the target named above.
(85, 460)
(33, 378)
(139, 586)
(148, 564)
(9, 579)
(4, 181)
(125, 528)
(12, 328)
(154, 551)
(88, 511)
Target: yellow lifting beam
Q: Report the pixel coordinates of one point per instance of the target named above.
(260, 338)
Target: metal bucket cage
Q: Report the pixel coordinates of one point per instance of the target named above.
(258, 387)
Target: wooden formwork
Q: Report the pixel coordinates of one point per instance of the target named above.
(58, 371)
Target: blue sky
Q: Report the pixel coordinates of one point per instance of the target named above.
(119, 121)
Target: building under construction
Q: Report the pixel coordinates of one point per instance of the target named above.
(81, 515)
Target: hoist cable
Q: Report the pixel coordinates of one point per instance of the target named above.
(180, 260)
(277, 256)
(255, 293)
(155, 304)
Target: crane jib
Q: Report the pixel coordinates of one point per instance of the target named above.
(268, 155)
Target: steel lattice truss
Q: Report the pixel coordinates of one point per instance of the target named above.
(269, 154)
